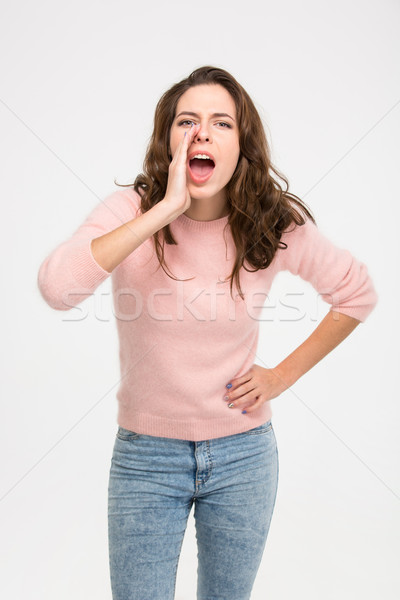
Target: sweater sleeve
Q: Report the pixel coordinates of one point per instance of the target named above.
(69, 274)
(340, 279)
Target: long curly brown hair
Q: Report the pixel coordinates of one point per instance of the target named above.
(260, 209)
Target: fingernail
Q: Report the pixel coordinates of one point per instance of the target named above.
(228, 385)
(244, 412)
(231, 405)
(226, 397)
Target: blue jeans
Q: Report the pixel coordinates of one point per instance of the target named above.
(232, 482)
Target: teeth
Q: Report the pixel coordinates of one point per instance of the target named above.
(204, 156)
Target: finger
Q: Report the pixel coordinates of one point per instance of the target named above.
(191, 134)
(255, 406)
(178, 151)
(240, 380)
(241, 392)
(250, 405)
(243, 401)
(180, 155)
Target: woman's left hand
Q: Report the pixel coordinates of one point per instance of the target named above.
(255, 387)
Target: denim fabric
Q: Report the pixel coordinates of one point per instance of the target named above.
(232, 482)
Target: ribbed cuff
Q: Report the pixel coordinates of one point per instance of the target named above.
(87, 272)
(357, 312)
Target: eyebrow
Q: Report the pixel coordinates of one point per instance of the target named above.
(193, 114)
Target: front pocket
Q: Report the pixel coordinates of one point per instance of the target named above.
(126, 435)
(264, 428)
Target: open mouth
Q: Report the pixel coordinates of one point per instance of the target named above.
(201, 168)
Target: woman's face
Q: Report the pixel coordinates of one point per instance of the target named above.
(213, 108)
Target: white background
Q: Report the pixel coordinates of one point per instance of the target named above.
(79, 84)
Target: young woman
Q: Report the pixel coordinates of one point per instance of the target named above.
(191, 246)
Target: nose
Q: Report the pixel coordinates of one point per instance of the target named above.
(203, 135)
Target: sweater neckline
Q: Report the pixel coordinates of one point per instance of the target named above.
(194, 225)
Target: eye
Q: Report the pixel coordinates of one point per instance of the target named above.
(224, 124)
(185, 121)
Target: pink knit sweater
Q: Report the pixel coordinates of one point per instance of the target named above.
(181, 342)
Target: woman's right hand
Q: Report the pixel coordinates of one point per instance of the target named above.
(177, 196)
